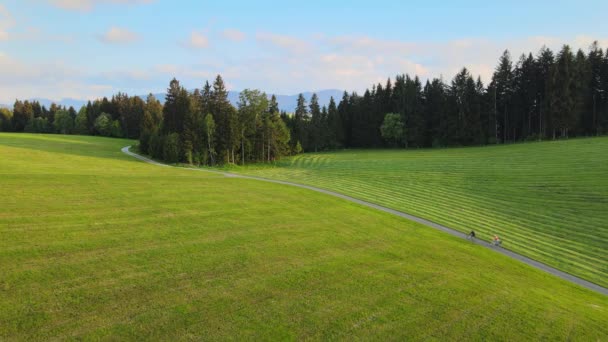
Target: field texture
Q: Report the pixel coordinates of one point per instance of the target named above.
(97, 245)
(548, 201)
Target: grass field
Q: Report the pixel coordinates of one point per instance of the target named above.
(548, 201)
(97, 245)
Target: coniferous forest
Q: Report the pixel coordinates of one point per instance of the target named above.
(547, 95)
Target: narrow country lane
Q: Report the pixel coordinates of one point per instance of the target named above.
(526, 260)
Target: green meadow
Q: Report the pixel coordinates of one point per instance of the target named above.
(548, 201)
(97, 245)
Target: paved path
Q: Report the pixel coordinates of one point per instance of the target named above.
(533, 263)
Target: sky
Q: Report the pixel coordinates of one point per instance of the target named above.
(84, 49)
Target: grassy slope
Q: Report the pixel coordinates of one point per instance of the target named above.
(548, 201)
(94, 244)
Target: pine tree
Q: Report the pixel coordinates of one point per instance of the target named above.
(503, 83)
(544, 65)
(324, 129)
(483, 108)
(433, 105)
(415, 121)
(524, 97)
(594, 97)
(602, 113)
(226, 121)
(300, 123)
(345, 119)
(315, 124)
(23, 114)
(278, 133)
(581, 88)
(173, 119)
(206, 99)
(335, 126)
(563, 86)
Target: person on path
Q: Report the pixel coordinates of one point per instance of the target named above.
(471, 235)
(496, 240)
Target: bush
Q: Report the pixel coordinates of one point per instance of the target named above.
(171, 148)
(298, 148)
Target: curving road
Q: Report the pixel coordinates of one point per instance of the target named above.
(526, 260)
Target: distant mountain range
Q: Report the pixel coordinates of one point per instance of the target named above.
(286, 102)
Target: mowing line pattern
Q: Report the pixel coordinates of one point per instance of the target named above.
(522, 258)
(547, 201)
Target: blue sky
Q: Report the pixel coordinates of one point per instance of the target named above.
(89, 48)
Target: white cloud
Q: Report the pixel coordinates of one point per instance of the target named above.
(289, 44)
(280, 64)
(584, 42)
(87, 5)
(36, 34)
(53, 80)
(6, 22)
(233, 35)
(117, 35)
(197, 40)
(183, 73)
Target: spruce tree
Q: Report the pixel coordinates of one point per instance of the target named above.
(594, 97)
(345, 120)
(335, 126)
(171, 115)
(300, 123)
(563, 86)
(225, 119)
(278, 133)
(544, 65)
(503, 83)
(315, 124)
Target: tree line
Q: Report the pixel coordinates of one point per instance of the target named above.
(119, 116)
(544, 96)
(547, 96)
(202, 127)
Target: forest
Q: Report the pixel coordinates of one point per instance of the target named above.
(537, 97)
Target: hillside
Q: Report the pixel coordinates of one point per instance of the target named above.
(97, 245)
(548, 201)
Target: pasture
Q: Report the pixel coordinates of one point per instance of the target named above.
(97, 245)
(548, 201)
